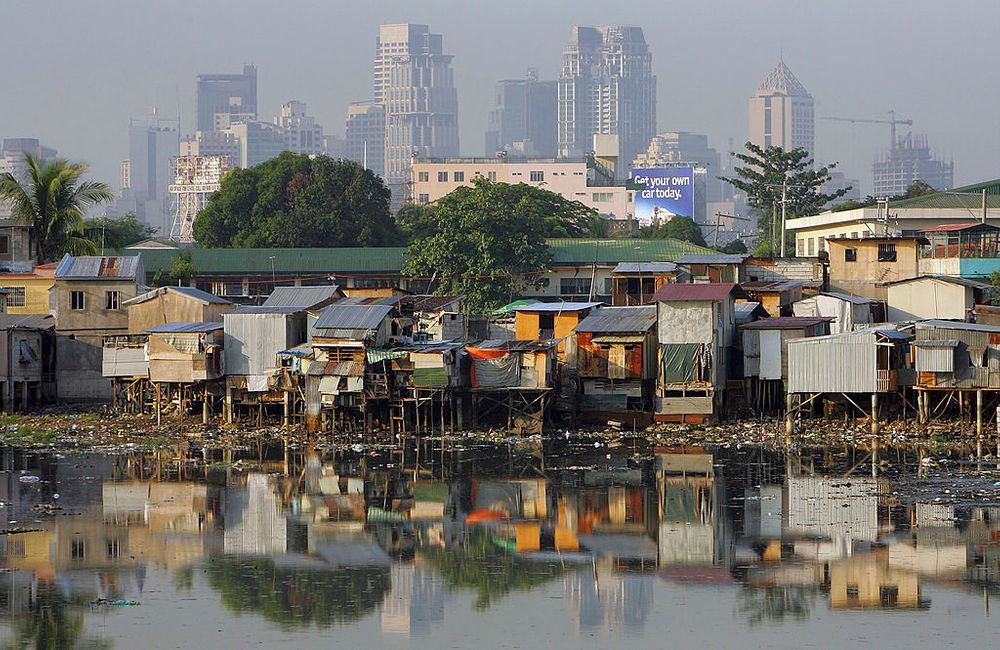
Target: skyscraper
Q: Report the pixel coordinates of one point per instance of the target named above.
(415, 84)
(231, 94)
(364, 135)
(302, 134)
(606, 87)
(523, 119)
(907, 161)
(782, 113)
(152, 145)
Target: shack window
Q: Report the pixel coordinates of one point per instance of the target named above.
(77, 300)
(112, 300)
(5, 245)
(850, 254)
(546, 326)
(886, 252)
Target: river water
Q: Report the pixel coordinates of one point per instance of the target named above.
(562, 546)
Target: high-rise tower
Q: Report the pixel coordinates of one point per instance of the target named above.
(782, 113)
(234, 95)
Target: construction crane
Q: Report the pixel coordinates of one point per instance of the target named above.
(892, 122)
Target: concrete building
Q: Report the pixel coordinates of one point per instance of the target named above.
(575, 181)
(907, 161)
(230, 94)
(301, 133)
(212, 143)
(683, 149)
(364, 136)
(781, 113)
(415, 83)
(152, 144)
(606, 87)
(863, 267)
(523, 118)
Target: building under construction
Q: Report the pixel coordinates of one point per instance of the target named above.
(909, 159)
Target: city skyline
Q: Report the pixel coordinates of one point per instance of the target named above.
(708, 96)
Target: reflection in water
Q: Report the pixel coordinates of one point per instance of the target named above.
(307, 541)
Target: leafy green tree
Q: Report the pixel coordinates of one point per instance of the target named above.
(682, 228)
(734, 247)
(53, 200)
(297, 201)
(476, 240)
(763, 175)
(116, 234)
(182, 269)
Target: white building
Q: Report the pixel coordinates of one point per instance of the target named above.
(606, 87)
(12, 160)
(301, 133)
(782, 113)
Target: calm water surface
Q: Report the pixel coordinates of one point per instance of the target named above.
(563, 547)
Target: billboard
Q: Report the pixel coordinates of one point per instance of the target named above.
(662, 193)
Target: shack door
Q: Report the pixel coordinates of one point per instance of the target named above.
(616, 362)
(770, 354)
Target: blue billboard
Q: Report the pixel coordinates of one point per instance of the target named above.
(662, 193)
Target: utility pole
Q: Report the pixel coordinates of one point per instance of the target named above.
(784, 212)
(718, 224)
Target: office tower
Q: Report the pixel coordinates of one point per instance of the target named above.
(233, 95)
(12, 161)
(907, 161)
(782, 113)
(301, 133)
(606, 88)
(416, 86)
(523, 120)
(149, 170)
(364, 135)
(259, 142)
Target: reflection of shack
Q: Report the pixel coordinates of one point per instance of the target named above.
(867, 580)
(415, 602)
(27, 363)
(842, 509)
(685, 480)
(696, 330)
(428, 381)
(634, 283)
(185, 362)
(512, 380)
(616, 361)
(254, 523)
(871, 361)
(953, 361)
(254, 338)
(341, 383)
(765, 355)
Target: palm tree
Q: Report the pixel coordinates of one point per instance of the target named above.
(53, 200)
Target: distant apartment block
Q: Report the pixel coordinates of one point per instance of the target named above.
(301, 133)
(364, 135)
(573, 180)
(12, 160)
(229, 94)
(910, 160)
(523, 118)
(415, 84)
(152, 145)
(782, 113)
(606, 87)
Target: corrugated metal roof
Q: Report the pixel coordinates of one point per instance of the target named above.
(956, 325)
(965, 282)
(190, 292)
(744, 311)
(952, 227)
(856, 300)
(423, 303)
(944, 343)
(675, 292)
(222, 261)
(788, 322)
(612, 339)
(582, 252)
(619, 319)
(771, 285)
(95, 267)
(176, 328)
(718, 258)
(339, 316)
(547, 307)
(261, 309)
(27, 321)
(302, 297)
(515, 346)
(645, 267)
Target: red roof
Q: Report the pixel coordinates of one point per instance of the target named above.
(680, 292)
(787, 322)
(949, 227)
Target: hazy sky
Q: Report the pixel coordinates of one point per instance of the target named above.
(75, 70)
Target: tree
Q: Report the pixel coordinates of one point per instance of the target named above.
(477, 240)
(299, 202)
(682, 228)
(53, 200)
(915, 189)
(766, 173)
(734, 247)
(116, 234)
(182, 269)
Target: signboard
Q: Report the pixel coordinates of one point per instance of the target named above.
(662, 193)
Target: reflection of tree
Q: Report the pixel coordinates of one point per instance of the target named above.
(488, 570)
(294, 596)
(52, 622)
(775, 603)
